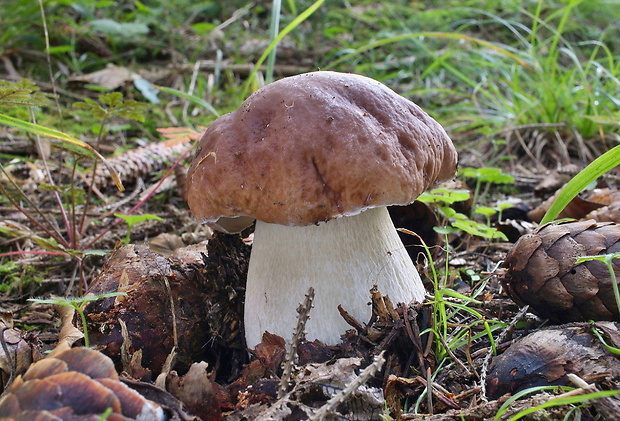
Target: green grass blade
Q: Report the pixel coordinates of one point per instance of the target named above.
(447, 35)
(274, 28)
(568, 400)
(598, 167)
(64, 137)
(294, 24)
(191, 98)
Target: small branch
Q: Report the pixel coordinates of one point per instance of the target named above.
(302, 318)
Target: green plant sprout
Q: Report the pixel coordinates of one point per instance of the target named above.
(132, 220)
(607, 259)
(78, 304)
(447, 304)
(105, 415)
(488, 211)
(446, 196)
(458, 221)
(611, 349)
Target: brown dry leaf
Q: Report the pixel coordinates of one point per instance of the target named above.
(604, 196)
(383, 307)
(599, 204)
(181, 134)
(552, 182)
(160, 381)
(555, 180)
(610, 213)
(611, 332)
(135, 369)
(124, 285)
(269, 355)
(68, 332)
(576, 209)
(196, 391)
(111, 77)
(19, 355)
(165, 243)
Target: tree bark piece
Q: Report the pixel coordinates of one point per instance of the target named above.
(546, 357)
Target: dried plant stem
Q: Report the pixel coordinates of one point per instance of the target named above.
(303, 315)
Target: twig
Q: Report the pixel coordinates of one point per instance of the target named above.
(608, 407)
(331, 405)
(302, 318)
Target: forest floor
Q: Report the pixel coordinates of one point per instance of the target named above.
(69, 236)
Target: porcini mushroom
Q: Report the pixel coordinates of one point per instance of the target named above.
(315, 159)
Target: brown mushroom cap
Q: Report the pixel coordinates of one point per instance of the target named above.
(314, 147)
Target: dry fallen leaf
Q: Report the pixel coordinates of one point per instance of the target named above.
(196, 391)
(19, 356)
(112, 77)
(68, 332)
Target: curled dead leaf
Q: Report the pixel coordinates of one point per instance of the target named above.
(68, 332)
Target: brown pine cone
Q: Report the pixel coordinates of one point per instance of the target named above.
(542, 271)
(74, 384)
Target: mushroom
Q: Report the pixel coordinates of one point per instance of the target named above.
(315, 159)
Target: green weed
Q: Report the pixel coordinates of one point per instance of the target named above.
(64, 238)
(594, 170)
(15, 276)
(78, 304)
(132, 220)
(559, 401)
(531, 72)
(607, 259)
(458, 221)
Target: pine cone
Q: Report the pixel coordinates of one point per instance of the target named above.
(74, 384)
(139, 162)
(542, 271)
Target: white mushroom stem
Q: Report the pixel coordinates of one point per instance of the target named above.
(342, 259)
